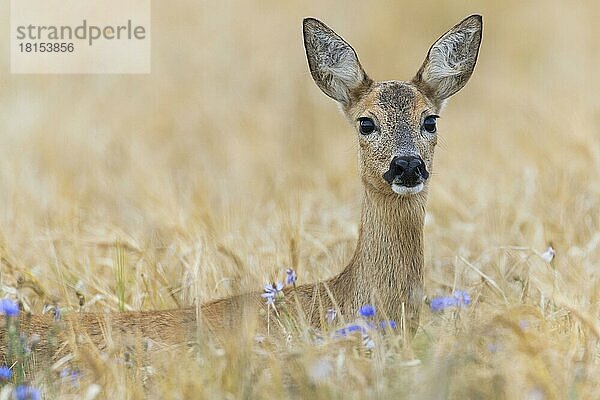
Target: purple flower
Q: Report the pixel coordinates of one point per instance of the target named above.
(290, 277)
(56, 312)
(270, 300)
(391, 323)
(71, 374)
(549, 254)
(5, 373)
(9, 308)
(23, 392)
(441, 303)
(459, 298)
(462, 297)
(348, 329)
(367, 311)
(365, 327)
(271, 291)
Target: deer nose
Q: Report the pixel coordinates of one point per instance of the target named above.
(406, 171)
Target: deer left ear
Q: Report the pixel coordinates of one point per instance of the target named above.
(451, 60)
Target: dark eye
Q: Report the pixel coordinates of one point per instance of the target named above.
(429, 123)
(366, 126)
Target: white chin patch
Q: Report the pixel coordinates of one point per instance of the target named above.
(405, 190)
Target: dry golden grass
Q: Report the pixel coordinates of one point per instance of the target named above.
(227, 150)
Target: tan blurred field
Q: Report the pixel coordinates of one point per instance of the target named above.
(228, 150)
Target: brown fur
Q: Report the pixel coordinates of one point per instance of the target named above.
(387, 267)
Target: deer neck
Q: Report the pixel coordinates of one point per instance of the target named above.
(387, 266)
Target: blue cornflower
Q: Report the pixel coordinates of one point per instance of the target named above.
(391, 323)
(290, 277)
(5, 373)
(72, 374)
(459, 298)
(9, 308)
(348, 329)
(367, 310)
(271, 291)
(462, 297)
(441, 303)
(75, 377)
(23, 392)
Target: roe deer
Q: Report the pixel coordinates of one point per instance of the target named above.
(396, 130)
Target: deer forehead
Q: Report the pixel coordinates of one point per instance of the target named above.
(392, 102)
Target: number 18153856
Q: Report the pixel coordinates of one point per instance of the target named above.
(46, 47)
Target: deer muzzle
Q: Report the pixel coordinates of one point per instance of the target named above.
(406, 174)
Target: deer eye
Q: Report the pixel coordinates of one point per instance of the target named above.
(366, 125)
(429, 123)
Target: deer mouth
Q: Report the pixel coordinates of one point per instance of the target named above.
(404, 190)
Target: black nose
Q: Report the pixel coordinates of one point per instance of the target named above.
(407, 171)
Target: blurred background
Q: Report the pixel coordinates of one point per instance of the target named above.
(228, 144)
(227, 164)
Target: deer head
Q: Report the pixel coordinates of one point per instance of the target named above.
(395, 121)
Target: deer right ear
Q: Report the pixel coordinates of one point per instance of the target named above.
(333, 63)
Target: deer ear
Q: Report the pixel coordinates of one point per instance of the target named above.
(451, 60)
(333, 63)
